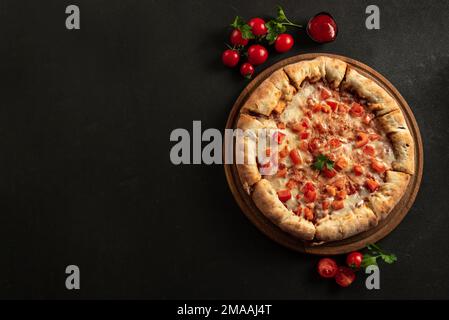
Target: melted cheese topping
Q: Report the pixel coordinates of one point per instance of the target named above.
(319, 121)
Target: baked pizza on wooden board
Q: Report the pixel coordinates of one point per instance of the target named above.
(345, 154)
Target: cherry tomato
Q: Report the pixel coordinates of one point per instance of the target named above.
(327, 268)
(230, 58)
(247, 70)
(345, 276)
(257, 54)
(354, 259)
(258, 26)
(284, 42)
(237, 39)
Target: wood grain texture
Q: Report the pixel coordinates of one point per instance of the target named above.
(360, 240)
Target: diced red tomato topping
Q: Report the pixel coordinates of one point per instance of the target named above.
(298, 127)
(356, 110)
(310, 195)
(320, 127)
(308, 214)
(284, 195)
(342, 108)
(332, 104)
(331, 190)
(341, 195)
(340, 183)
(284, 152)
(305, 123)
(341, 163)
(315, 144)
(325, 108)
(328, 173)
(358, 170)
(291, 184)
(304, 146)
(280, 137)
(325, 93)
(295, 156)
(374, 136)
(338, 204)
(369, 150)
(282, 173)
(371, 184)
(361, 139)
(334, 143)
(377, 166)
(325, 205)
(308, 186)
(304, 135)
(316, 108)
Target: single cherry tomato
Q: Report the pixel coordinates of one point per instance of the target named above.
(257, 54)
(247, 70)
(258, 26)
(327, 268)
(284, 195)
(345, 276)
(284, 42)
(354, 259)
(322, 28)
(230, 58)
(237, 39)
(295, 156)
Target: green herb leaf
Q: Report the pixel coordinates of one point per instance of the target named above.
(281, 15)
(244, 28)
(368, 260)
(274, 29)
(322, 161)
(377, 252)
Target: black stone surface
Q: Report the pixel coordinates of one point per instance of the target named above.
(85, 174)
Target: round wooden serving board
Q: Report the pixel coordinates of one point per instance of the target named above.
(360, 240)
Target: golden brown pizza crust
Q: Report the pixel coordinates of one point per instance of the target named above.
(282, 82)
(388, 195)
(404, 151)
(329, 69)
(264, 99)
(379, 101)
(346, 224)
(267, 201)
(393, 122)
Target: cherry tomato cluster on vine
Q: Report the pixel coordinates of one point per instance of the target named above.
(343, 275)
(321, 28)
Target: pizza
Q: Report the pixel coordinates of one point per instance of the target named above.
(344, 155)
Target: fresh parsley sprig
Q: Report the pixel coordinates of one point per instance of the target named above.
(323, 161)
(278, 25)
(375, 253)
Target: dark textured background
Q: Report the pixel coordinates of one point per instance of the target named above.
(85, 175)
